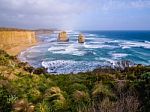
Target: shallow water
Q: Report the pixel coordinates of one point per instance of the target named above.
(102, 48)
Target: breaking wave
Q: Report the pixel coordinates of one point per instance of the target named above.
(72, 57)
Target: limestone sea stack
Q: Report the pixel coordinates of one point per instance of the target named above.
(81, 38)
(63, 37)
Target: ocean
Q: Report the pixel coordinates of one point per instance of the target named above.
(102, 48)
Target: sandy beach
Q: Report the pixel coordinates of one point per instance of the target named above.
(17, 49)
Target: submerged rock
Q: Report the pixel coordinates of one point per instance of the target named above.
(63, 37)
(81, 38)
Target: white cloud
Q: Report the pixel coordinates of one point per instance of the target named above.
(58, 13)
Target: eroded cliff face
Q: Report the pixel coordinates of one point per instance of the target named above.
(16, 38)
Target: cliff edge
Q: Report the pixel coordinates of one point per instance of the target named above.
(15, 40)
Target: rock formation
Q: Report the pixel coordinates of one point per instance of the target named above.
(16, 38)
(81, 38)
(63, 37)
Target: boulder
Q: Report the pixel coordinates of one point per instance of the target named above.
(81, 38)
(63, 37)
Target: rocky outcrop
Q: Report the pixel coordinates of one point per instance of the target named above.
(63, 37)
(81, 38)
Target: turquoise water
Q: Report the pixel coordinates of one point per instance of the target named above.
(102, 48)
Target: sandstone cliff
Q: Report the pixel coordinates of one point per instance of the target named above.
(16, 37)
(10, 38)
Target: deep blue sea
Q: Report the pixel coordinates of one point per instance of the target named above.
(102, 48)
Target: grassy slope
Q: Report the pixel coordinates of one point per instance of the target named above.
(23, 88)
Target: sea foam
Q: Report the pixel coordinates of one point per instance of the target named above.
(73, 57)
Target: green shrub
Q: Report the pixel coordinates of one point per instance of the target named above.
(77, 86)
(6, 100)
(100, 91)
(131, 76)
(146, 76)
(55, 98)
(42, 107)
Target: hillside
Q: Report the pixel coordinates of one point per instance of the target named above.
(25, 89)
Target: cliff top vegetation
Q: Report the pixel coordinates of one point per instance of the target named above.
(26, 89)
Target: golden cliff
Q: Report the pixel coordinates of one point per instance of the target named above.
(16, 40)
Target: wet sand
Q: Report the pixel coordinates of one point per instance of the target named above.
(17, 49)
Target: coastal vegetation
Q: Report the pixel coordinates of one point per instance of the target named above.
(27, 89)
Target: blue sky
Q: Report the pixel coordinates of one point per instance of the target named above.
(76, 14)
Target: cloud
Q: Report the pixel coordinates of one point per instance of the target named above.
(58, 13)
(43, 7)
(39, 12)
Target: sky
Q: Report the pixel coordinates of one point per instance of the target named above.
(76, 14)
